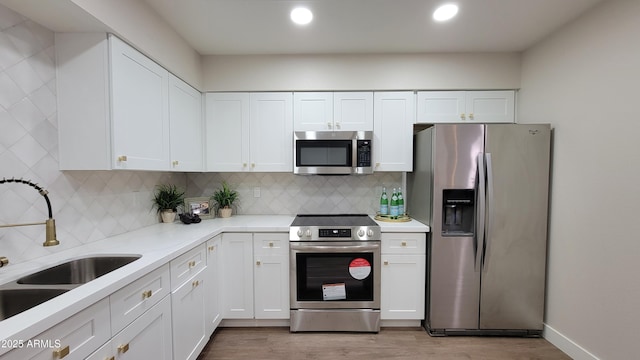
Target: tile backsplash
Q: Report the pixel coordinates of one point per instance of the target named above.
(285, 193)
(93, 205)
(87, 205)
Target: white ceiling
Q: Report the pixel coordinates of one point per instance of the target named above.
(364, 26)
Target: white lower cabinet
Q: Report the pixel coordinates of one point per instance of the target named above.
(188, 303)
(212, 287)
(271, 284)
(74, 338)
(237, 276)
(255, 276)
(403, 276)
(148, 337)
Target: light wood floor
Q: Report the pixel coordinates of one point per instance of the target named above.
(390, 343)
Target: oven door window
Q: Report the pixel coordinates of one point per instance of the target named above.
(323, 153)
(335, 277)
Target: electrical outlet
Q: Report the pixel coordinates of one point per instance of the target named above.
(256, 192)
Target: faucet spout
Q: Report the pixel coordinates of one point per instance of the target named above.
(50, 223)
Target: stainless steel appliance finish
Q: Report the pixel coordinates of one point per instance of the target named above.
(332, 152)
(483, 188)
(335, 273)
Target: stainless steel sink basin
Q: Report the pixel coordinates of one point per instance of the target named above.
(78, 271)
(15, 301)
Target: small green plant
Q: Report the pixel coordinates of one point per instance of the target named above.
(168, 197)
(224, 197)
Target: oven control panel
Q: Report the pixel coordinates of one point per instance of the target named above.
(331, 233)
(313, 233)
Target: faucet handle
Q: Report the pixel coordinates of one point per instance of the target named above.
(3, 261)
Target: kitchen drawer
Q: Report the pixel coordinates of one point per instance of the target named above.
(188, 264)
(404, 243)
(134, 299)
(74, 338)
(270, 244)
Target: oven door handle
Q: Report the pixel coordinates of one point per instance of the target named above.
(346, 247)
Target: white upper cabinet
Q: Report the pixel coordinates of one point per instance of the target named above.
(313, 111)
(249, 132)
(394, 115)
(353, 111)
(117, 109)
(227, 123)
(466, 107)
(333, 111)
(271, 132)
(140, 109)
(186, 124)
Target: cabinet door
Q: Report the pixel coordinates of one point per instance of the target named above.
(185, 266)
(140, 110)
(237, 276)
(402, 287)
(185, 119)
(353, 111)
(312, 111)
(188, 312)
(394, 116)
(490, 106)
(271, 132)
(271, 256)
(441, 106)
(227, 128)
(74, 338)
(212, 286)
(134, 299)
(148, 337)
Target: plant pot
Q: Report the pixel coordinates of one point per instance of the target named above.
(168, 216)
(225, 212)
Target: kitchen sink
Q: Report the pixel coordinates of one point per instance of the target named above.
(15, 301)
(77, 271)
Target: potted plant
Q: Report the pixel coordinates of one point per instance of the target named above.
(223, 200)
(167, 199)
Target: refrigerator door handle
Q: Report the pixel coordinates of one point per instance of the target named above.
(480, 206)
(490, 210)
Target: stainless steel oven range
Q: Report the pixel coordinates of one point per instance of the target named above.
(335, 273)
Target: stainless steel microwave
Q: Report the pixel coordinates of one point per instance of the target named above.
(332, 152)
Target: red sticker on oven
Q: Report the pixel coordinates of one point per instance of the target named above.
(359, 268)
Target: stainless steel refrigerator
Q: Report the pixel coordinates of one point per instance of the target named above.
(483, 189)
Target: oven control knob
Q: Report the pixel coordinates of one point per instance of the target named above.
(360, 233)
(307, 233)
(300, 233)
(369, 232)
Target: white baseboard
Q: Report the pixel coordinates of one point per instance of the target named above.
(567, 345)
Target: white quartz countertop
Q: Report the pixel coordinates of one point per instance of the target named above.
(158, 244)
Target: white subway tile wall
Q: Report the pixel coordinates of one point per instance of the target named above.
(93, 205)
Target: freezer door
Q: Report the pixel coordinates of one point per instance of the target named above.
(513, 273)
(454, 285)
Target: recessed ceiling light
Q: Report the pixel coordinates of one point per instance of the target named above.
(301, 16)
(445, 12)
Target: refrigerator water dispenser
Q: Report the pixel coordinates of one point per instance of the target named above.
(458, 212)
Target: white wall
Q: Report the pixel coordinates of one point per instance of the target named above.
(132, 21)
(584, 80)
(362, 72)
